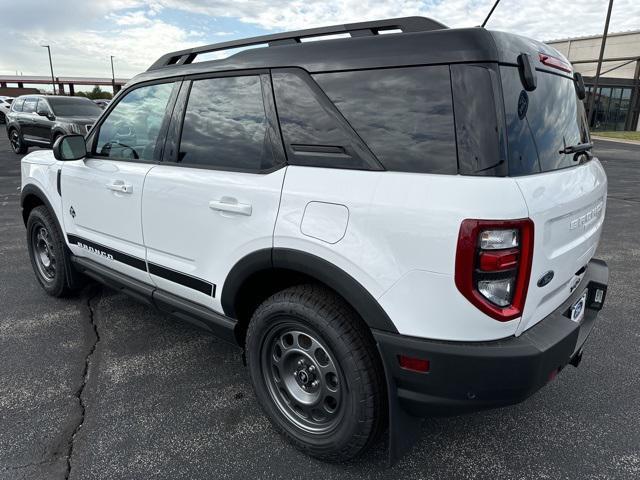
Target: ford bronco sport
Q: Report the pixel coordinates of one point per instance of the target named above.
(395, 223)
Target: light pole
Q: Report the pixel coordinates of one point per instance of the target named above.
(53, 80)
(113, 77)
(594, 92)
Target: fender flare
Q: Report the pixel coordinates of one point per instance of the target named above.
(74, 280)
(55, 131)
(322, 270)
(31, 189)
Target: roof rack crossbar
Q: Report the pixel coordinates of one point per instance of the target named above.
(405, 24)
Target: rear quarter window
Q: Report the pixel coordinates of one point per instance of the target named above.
(404, 115)
(479, 120)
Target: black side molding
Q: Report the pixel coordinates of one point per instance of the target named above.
(180, 278)
(199, 315)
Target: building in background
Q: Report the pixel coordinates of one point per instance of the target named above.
(617, 101)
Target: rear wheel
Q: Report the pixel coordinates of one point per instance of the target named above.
(316, 372)
(3, 118)
(17, 143)
(46, 251)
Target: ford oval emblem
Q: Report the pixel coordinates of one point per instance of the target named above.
(545, 279)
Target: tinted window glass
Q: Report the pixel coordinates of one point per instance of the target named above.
(17, 105)
(542, 122)
(131, 130)
(315, 133)
(479, 126)
(405, 115)
(29, 105)
(74, 107)
(225, 125)
(43, 107)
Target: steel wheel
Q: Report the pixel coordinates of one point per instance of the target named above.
(14, 138)
(44, 252)
(303, 378)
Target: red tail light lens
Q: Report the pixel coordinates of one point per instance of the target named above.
(493, 265)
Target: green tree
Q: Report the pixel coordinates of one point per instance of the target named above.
(97, 94)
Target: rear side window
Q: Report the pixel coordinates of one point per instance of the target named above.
(225, 125)
(404, 115)
(314, 131)
(29, 105)
(542, 122)
(17, 105)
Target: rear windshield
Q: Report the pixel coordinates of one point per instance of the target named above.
(542, 122)
(74, 107)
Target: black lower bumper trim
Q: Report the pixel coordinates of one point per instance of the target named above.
(472, 376)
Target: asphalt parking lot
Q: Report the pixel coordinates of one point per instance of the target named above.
(101, 387)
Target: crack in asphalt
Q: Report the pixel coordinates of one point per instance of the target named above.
(27, 465)
(83, 384)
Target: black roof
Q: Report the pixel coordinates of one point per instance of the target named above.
(422, 42)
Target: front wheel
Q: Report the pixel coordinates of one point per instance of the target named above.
(46, 251)
(17, 143)
(316, 372)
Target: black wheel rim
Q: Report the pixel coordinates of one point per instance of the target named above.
(15, 140)
(303, 378)
(43, 252)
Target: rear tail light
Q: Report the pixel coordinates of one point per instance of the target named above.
(493, 265)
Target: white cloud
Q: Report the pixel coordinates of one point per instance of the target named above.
(542, 20)
(138, 31)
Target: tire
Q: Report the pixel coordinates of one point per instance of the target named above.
(17, 142)
(47, 252)
(307, 342)
(3, 118)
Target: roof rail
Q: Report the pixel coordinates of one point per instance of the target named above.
(405, 24)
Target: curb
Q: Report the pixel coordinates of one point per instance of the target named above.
(618, 140)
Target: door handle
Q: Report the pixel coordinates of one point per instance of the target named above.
(229, 204)
(120, 186)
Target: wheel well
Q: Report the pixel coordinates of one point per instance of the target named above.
(260, 286)
(30, 202)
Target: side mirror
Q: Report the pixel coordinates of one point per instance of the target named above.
(70, 147)
(581, 90)
(527, 72)
(46, 113)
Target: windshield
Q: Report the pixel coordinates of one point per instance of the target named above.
(74, 107)
(541, 123)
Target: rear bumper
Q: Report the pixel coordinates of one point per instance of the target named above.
(473, 376)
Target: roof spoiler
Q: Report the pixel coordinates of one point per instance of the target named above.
(405, 24)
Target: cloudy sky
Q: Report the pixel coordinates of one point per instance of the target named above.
(83, 33)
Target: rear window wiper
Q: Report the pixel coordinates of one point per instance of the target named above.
(578, 150)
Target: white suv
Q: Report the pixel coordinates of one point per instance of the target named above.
(5, 108)
(389, 225)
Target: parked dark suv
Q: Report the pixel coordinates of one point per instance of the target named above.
(38, 120)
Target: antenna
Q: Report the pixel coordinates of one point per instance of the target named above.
(490, 13)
